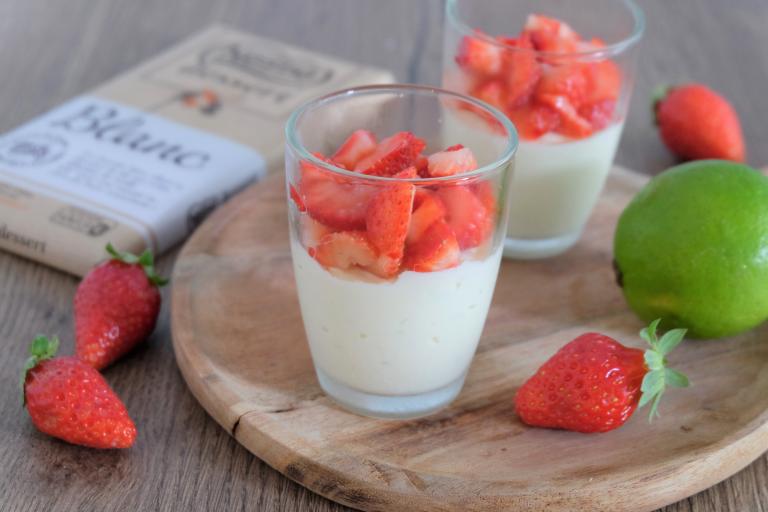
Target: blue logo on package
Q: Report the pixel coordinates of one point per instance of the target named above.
(32, 149)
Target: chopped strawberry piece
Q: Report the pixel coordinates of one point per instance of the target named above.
(387, 220)
(392, 155)
(551, 35)
(344, 250)
(599, 114)
(571, 123)
(422, 165)
(466, 215)
(521, 70)
(312, 231)
(603, 81)
(534, 120)
(297, 198)
(567, 80)
(455, 147)
(408, 173)
(448, 163)
(427, 209)
(485, 193)
(478, 56)
(491, 92)
(436, 249)
(334, 200)
(357, 146)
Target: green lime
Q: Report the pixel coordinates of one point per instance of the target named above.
(692, 248)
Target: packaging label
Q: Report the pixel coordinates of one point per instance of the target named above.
(122, 164)
(262, 77)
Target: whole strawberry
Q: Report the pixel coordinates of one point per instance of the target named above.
(70, 400)
(116, 307)
(697, 123)
(594, 383)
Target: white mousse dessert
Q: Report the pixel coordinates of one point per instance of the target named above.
(404, 337)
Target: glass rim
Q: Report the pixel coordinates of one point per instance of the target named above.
(506, 155)
(609, 50)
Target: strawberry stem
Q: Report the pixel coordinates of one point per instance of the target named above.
(146, 260)
(659, 377)
(41, 348)
(658, 95)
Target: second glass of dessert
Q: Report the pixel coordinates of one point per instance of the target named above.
(563, 73)
(396, 229)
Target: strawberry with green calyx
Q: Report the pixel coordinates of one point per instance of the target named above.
(697, 123)
(595, 384)
(116, 307)
(70, 400)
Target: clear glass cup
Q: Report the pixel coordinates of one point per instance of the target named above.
(394, 338)
(567, 101)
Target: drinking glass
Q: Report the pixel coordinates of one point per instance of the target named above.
(394, 338)
(568, 100)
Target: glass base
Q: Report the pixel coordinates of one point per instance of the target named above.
(389, 406)
(531, 249)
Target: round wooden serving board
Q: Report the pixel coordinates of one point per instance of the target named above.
(240, 344)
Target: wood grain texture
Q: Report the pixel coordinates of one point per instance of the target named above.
(50, 51)
(240, 345)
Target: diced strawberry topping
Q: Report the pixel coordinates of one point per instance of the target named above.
(392, 155)
(571, 123)
(521, 71)
(599, 114)
(551, 35)
(466, 215)
(603, 81)
(387, 220)
(534, 120)
(345, 250)
(436, 249)
(427, 209)
(312, 231)
(385, 228)
(334, 200)
(491, 92)
(479, 56)
(357, 146)
(540, 93)
(448, 163)
(407, 173)
(422, 166)
(566, 80)
(485, 193)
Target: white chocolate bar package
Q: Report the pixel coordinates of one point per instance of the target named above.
(142, 159)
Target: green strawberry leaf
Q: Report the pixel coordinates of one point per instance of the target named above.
(670, 340)
(40, 349)
(653, 383)
(655, 407)
(675, 379)
(125, 257)
(659, 377)
(649, 333)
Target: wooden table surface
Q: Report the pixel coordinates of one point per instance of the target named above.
(50, 51)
